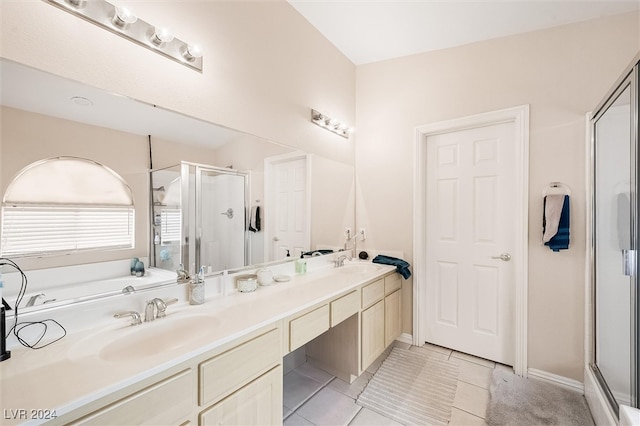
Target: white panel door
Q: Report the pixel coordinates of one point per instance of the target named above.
(290, 209)
(470, 223)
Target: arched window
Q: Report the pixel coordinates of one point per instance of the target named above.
(66, 204)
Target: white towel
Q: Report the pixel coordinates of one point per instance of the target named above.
(552, 212)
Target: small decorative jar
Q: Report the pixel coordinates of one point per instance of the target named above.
(247, 283)
(139, 269)
(134, 261)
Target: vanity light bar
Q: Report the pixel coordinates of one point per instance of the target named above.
(330, 124)
(121, 21)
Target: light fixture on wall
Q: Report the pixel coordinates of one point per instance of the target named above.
(123, 22)
(330, 124)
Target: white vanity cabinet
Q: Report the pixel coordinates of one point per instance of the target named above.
(231, 376)
(381, 318)
(237, 383)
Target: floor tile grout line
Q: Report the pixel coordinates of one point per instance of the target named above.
(469, 413)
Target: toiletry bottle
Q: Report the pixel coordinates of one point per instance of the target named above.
(196, 288)
(301, 266)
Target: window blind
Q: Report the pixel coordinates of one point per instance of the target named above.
(42, 230)
(171, 228)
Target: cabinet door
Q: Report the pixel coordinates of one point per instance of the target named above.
(372, 333)
(392, 317)
(258, 403)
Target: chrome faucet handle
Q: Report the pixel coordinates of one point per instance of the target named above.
(161, 305)
(129, 289)
(135, 316)
(182, 275)
(32, 299)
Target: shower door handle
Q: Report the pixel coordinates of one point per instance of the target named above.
(629, 262)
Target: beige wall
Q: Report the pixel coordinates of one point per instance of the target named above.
(264, 65)
(562, 73)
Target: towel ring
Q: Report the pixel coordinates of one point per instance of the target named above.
(556, 188)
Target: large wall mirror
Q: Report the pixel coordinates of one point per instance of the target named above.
(304, 201)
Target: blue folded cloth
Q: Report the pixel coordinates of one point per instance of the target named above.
(401, 266)
(560, 241)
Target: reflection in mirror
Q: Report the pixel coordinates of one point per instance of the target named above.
(214, 241)
(45, 116)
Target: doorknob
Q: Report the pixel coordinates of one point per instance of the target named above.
(276, 239)
(504, 256)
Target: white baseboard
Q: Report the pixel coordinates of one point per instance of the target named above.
(562, 381)
(405, 338)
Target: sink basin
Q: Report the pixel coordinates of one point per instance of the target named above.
(358, 268)
(173, 333)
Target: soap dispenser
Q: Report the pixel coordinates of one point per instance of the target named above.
(301, 265)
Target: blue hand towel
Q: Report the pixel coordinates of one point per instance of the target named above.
(401, 266)
(560, 241)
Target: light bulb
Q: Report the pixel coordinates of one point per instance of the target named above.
(123, 17)
(76, 3)
(192, 52)
(161, 35)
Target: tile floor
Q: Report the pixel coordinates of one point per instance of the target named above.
(314, 397)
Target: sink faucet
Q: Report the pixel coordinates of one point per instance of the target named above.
(32, 299)
(183, 275)
(156, 308)
(340, 260)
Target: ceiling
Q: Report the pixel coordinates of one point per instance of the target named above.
(368, 31)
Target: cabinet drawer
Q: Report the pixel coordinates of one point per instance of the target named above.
(257, 403)
(344, 307)
(228, 371)
(307, 327)
(373, 292)
(169, 401)
(392, 283)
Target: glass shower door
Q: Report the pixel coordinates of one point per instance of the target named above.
(220, 219)
(615, 247)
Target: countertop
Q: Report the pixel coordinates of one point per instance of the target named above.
(71, 373)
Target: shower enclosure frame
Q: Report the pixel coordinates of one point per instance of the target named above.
(191, 225)
(629, 79)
